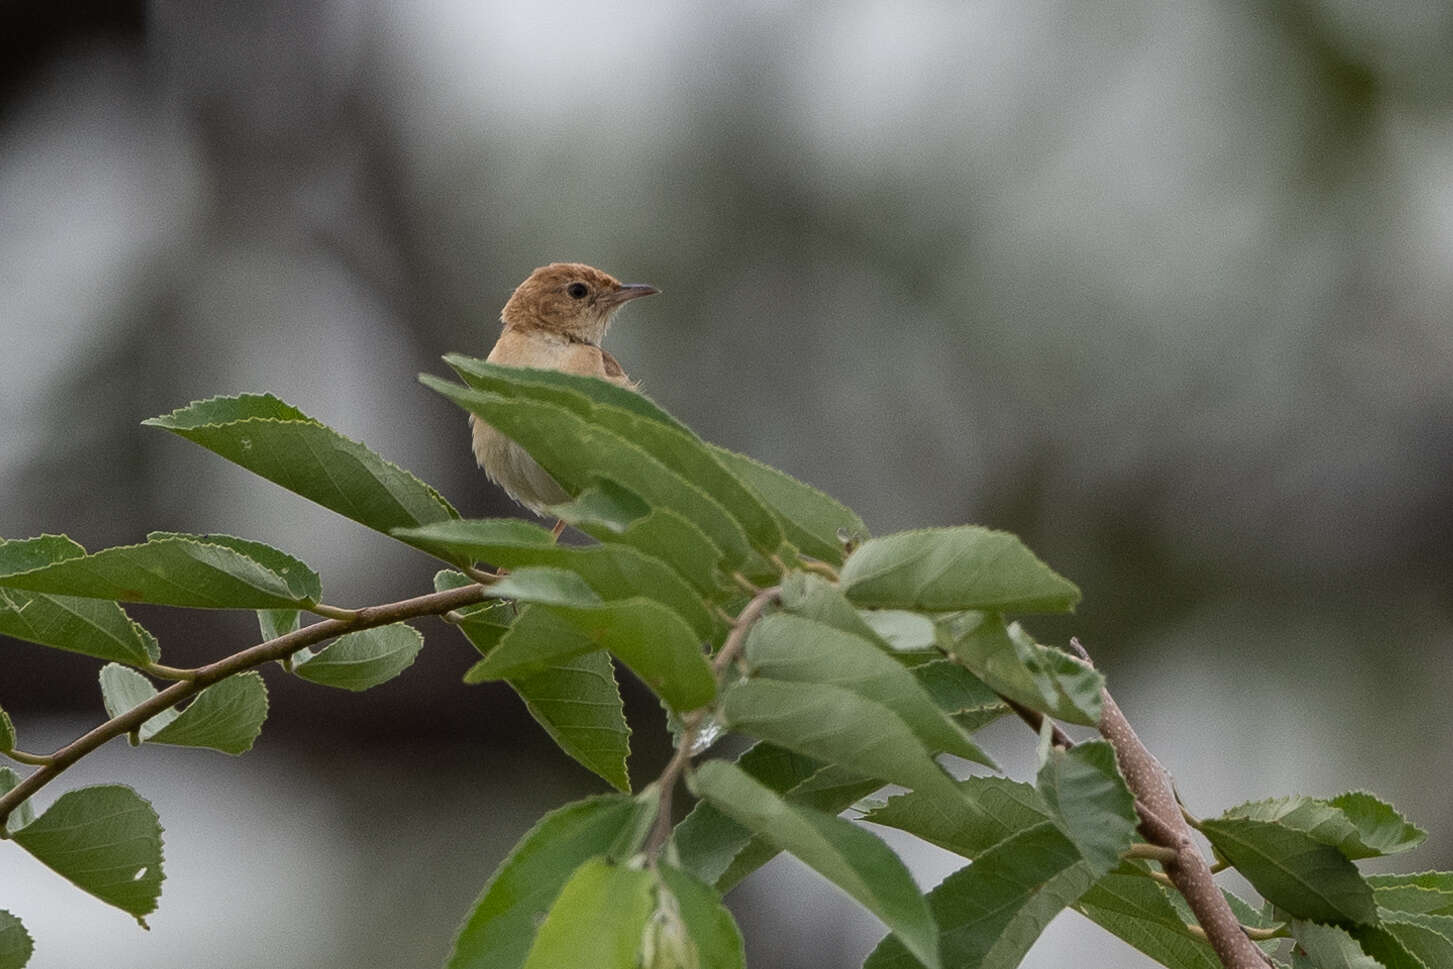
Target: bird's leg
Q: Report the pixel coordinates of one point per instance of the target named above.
(559, 527)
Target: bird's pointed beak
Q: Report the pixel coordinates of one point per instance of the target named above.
(630, 291)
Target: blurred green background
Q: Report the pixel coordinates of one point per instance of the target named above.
(1163, 288)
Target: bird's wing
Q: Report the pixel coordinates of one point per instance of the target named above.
(586, 358)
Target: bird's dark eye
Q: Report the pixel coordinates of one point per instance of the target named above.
(577, 290)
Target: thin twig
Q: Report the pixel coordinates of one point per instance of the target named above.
(1035, 719)
(205, 676)
(738, 636)
(736, 639)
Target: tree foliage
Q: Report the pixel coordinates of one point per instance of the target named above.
(748, 602)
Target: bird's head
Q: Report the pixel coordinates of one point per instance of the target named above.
(570, 298)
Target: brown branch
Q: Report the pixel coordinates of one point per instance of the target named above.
(736, 639)
(1162, 824)
(204, 676)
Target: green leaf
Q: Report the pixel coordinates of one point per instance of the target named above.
(15, 944)
(501, 927)
(602, 912)
(903, 631)
(810, 519)
(715, 940)
(27, 554)
(1293, 870)
(813, 597)
(652, 640)
(302, 582)
(604, 512)
(278, 622)
(707, 841)
(226, 716)
(92, 627)
(633, 418)
(1381, 829)
(578, 702)
(948, 569)
(547, 586)
(844, 854)
(831, 790)
(483, 375)
(576, 451)
(169, 570)
(988, 811)
(1013, 665)
(1090, 803)
(605, 504)
(957, 691)
(363, 659)
(836, 725)
(1327, 947)
(1428, 938)
(1356, 823)
(88, 626)
(794, 649)
(282, 444)
(123, 688)
(1428, 892)
(106, 841)
(990, 912)
(1389, 949)
(7, 733)
(24, 812)
(612, 571)
(1138, 911)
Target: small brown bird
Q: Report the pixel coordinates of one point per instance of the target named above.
(555, 320)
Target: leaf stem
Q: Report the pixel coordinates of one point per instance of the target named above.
(482, 576)
(168, 672)
(1266, 935)
(820, 568)
(21, 757)
(1250, 931)
(1152, 853)
(333, 612)
(746, 584)
(266, 652)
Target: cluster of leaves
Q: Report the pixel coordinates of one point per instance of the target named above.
(875, 664)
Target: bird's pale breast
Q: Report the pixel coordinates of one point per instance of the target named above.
(504, 461)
